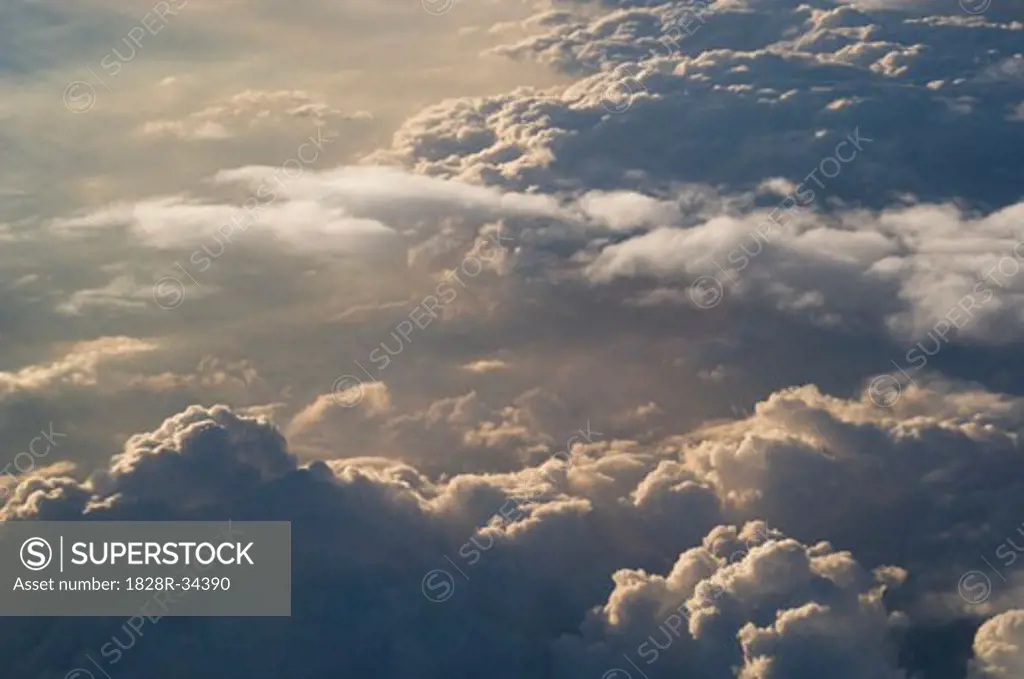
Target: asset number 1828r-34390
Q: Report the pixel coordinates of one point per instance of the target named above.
(140, 584)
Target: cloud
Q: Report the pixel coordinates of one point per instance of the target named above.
(345, 210)
(999, 647)
(748, 603)
(744, 93)
(249, 109)
(212, 462)
(486, 366)
(912, 267)
(922, 460)
(122, 292)
(376, 189)
(627, 209)
(589, 529)
(750, 508)
(183, 222)
(78, 367)
(450, 435)
(750, 598)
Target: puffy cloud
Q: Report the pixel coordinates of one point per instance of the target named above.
(743, 92)
(750, 604)
(911, 268)
(561, 551)
(927, 461)
(999, 647)
(627, 209)
(78, 367)
(355, 524)
(167, 465)
(763, 547)
(450, 435)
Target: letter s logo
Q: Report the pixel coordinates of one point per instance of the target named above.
(441, 585)
(36, 554)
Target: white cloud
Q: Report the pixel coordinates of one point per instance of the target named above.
(999, 647)
(78, 367)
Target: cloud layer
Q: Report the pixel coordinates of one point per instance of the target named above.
(701, 358)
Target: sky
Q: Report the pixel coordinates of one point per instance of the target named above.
(577, 339)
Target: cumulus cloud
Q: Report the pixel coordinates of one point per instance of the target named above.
(748, 603)
(562, 551)
(450, 435)
(386, 522)
(735, 93)
(999, 647)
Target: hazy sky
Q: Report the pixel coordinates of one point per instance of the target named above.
(721, 298)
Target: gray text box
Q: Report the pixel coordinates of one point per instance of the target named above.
(151, 568)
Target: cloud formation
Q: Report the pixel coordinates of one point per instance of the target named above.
(561, 552)
(739, 397)
(733, 93)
